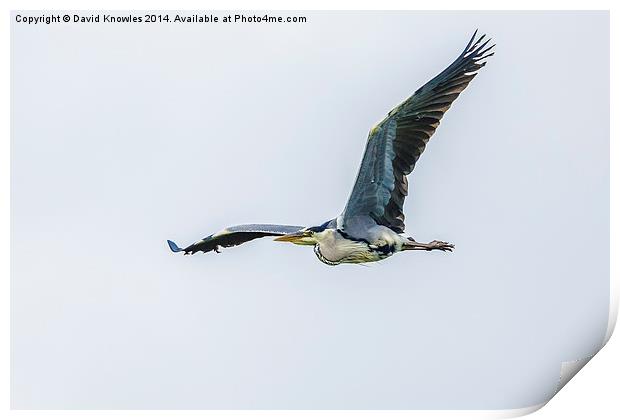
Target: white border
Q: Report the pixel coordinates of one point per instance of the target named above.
(602, 382)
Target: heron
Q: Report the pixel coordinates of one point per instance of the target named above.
(371, 227)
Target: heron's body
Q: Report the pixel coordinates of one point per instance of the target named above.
(370, 227)
(334, 246)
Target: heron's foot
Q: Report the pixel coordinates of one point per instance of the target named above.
(440, 245)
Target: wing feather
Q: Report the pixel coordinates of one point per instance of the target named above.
(396, 143)
(235, 235)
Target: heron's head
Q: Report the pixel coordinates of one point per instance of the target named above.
(307, 236)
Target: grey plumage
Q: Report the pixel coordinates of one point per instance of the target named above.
(396, 143)
(369, 228)
(235, 235)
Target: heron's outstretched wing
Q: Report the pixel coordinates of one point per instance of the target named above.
(235, 235)
(395, 144)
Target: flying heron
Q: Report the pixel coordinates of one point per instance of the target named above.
(370, 227)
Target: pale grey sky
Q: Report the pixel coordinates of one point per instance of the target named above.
(127, 135)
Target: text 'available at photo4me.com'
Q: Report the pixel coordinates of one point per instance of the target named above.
(166, 18)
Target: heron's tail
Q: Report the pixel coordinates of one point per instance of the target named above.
(173, 246)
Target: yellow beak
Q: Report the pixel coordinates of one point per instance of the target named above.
(299, 238)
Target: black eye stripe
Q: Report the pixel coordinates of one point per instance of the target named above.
(319, 228)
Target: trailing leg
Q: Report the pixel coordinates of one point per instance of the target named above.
(412, 245)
